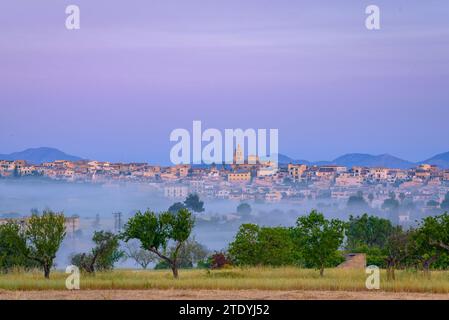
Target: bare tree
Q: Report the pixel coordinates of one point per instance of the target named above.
(141, 256)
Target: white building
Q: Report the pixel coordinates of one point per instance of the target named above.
(176, 192)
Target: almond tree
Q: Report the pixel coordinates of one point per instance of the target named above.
(141, 256)
(156, 231)
(44, 235)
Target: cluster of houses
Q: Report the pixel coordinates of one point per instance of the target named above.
(251, 180)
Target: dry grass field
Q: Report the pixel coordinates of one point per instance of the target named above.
(188, 294)
(236, 283)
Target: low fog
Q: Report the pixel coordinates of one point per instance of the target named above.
(96, 203)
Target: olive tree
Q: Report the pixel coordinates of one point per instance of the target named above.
(156, 231)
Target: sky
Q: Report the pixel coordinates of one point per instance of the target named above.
(138, 69)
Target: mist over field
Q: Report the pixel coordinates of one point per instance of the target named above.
(96, 203)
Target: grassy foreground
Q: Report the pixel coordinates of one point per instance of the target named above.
(288, 278)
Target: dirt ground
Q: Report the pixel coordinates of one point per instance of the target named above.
(213, 295)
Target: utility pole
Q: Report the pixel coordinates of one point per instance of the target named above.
(117, 221)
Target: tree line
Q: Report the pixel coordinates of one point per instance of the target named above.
(33, 244)
(313, 242)
(317, 242)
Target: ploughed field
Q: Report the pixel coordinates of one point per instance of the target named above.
(235, 283)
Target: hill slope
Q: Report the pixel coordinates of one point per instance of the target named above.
(441, 160)
(357, 159)
(39, 155)
(367, 160)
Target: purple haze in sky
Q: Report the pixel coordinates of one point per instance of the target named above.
(138, 69)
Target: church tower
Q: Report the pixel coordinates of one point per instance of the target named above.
(238, 156)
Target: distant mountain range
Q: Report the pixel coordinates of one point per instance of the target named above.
(40, 155)
(368, 160)
(441, 160)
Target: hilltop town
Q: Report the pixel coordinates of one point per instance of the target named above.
(253, 179)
